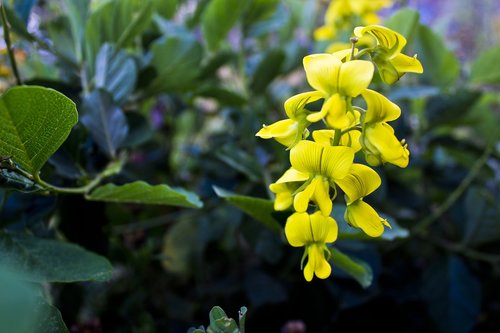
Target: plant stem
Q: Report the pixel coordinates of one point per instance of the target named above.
(6, 36)
(354, 128)
(457, 193)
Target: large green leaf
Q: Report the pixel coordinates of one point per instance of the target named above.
(77, 12)
(355, 267)
(260, 209)
(218, 18)
(441, 66)
(177, 61)
(24, 310)
(140, 192)
(34, 122)
(453, 295)
(486, 68)
(43, 260)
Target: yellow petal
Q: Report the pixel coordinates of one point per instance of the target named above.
(295, 104)
(293, 175)
(361, 181)
(336, 162)
(378, 139)
(389, 40)
(344, 53)
(351, 139)
(317, 263)
(354, 77)
(322, 72)
(283, 193)
(337, 116)
(317, 116)
(298, 229)
(324, 228)
(283, 131)
(379, 108)
(301, 199)
(324, 137)
(305, 157)
(325, 32)
(406, 64)
(321, 195)
(361, 215)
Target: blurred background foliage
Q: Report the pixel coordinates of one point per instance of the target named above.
(183, 86)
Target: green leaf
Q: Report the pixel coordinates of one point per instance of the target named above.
(240, 160)
(140, 192)
(482, 217)
(34, 122)
(356, 268)
(77, 13)
(165, 8)
(218, 19)
(267, 69)
(17, 25)
(260, 209)
(105, 121)
(43, 260)
(115, 72)
(404, 21)
(453, 295)
(49, 318)
(177, 61)
(178, 250)
(441, 67)
(486, 69)
(117, 21)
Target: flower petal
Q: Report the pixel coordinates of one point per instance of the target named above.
(293, 175)
(322, 72)
(321, 195)
(351, 139)
(283, 131)
(361, 181)
(324, 32)
(361, 215)
(337, 116)
(321, 267)
(389, 40)
(324, 137)
(379, 139)
(295, 104)
(306, 156)
(324, 228)
(301, 199)
(354, 77)
(379, 108)
(406, 64)
(336, 162)
(283, 198)
(298, 229)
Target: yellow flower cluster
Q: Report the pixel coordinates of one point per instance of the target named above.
(342, 15)
(323, 166)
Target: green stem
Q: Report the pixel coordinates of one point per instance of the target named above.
(467, 252)
(354, 128)
(455, 195)
(337, 136)
(6, 36)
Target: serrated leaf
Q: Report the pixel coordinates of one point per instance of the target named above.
(356, 268)
(453, 295)
(44, 260)
(115, 72)
(105, 121)
(486, 69)
(218, 19)
(260, 209)
(140, 192)
(441, 66)
(177, 61)
(34, 122)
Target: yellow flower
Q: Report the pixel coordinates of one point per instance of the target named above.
(290, 131)
(391, 63)
(284, 195)
(380, 145)
(361, 181)
(336, 80)
(312, 231)
(348, 139)
(319, 166)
